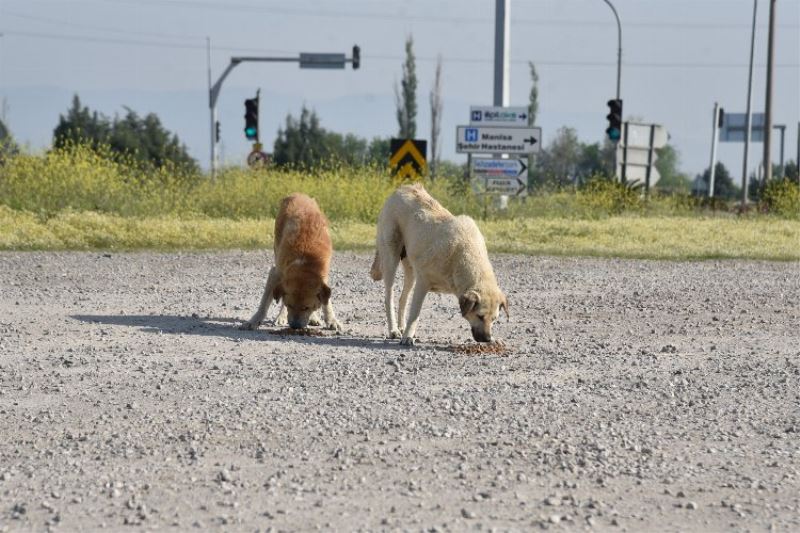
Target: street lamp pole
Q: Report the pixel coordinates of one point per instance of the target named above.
(619, 72)
(748, 124)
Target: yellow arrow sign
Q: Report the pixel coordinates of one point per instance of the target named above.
(408, 161)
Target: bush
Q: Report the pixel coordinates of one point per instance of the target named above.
(610, 197)
(782, 197)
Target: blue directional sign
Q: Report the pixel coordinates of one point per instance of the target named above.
(471, 135)
(497, 168)
(515, 116)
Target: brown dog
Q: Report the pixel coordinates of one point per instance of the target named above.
(302, 258)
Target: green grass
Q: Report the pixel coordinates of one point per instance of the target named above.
(79, 199)
(673, 238)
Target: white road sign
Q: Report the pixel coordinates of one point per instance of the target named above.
(638, 135)
(498, 116)
(497, 168)
(510, 186)
(497, 140)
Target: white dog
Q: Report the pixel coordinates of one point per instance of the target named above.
(440, 253)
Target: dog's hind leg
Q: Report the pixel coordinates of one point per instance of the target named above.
(273, 279)
(420, 290)
(389, 262)
(408, 286)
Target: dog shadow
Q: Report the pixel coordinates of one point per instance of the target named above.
(229, 328)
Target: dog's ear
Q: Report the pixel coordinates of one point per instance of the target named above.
(277, 292)
(504, 305)
(324, 294)
(468, 301)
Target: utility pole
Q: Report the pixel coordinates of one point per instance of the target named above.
(748, 116)
(502, 45)
(502, 41)
(768, 105)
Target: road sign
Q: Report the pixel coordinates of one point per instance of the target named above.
(322, 60)
(407, 159)
(636, 153)
(637, 135)
(512, 186)
(257, 159)
(498, 116)
(497, 168)
(733, 128)
(497, 140)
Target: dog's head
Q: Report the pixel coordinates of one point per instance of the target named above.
(301, 297)
(481, 310)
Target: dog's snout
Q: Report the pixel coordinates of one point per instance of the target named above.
(297, 324)
(481, 336)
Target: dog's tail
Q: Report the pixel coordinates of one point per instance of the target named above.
(375, 271)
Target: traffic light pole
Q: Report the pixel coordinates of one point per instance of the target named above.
(714, 137)
(305, 60)
(619, 72)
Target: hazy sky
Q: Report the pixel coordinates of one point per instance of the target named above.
(679, 56)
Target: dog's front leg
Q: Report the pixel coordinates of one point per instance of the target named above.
(282, 319)
(273, 279)
(420, 290)
(330, 317)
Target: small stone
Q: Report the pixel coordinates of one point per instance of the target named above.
(552, 501)
(691, 506)
(466, 513)
(554, 519)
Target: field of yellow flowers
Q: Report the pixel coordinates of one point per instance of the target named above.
(80, 199)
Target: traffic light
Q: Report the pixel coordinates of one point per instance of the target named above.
(251, 119)
(614, 130)
(216, 131)
(356, 57)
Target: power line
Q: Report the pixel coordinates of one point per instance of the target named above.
(380, 57)
(228, 7)
(26, 16)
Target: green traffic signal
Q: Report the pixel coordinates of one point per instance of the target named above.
(614, 130)
(251, 119)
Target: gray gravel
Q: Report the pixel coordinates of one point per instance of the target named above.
(636, 395)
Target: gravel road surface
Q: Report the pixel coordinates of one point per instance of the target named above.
(633, 396)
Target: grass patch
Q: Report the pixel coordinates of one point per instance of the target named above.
(673, 238)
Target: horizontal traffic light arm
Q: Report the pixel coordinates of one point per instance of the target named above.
(215, 89)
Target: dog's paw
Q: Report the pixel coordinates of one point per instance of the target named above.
(314, 321)
(334, 325)
(248, 326)
(395, 334)
(407, 341)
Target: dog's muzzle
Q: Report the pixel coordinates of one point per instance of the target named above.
(481, 336)
(297, 324)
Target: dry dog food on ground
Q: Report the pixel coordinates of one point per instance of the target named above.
(494, 348)
(301, 332)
